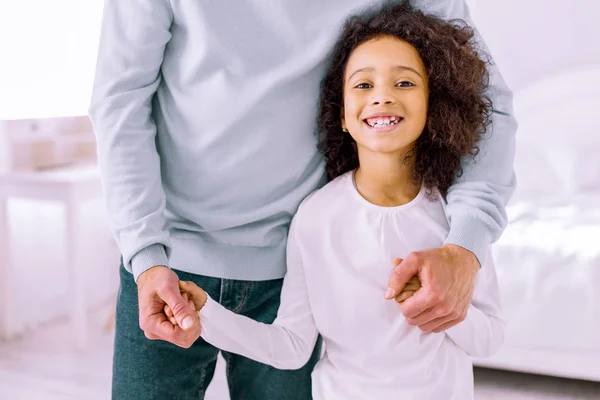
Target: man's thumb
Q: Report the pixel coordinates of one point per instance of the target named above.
(399, 277)
(183, 313)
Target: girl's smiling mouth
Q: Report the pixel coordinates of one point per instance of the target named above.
(383, 123)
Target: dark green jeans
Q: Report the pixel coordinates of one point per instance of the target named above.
(153, 369)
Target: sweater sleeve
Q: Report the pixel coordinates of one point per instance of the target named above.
(133, 39)
(482, 332)
(287, 343)
(477, 200)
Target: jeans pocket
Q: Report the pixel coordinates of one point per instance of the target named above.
(258, 300)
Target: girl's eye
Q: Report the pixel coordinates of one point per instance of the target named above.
(363, 86)
(405, 84)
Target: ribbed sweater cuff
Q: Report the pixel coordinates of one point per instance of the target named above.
(147, 258)
(470, 233)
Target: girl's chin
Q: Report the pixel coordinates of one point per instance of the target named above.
(387, 149)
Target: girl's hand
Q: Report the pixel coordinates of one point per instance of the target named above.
(448, 274)
(193, 294)
(411, 287)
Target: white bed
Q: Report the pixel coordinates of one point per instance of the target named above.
(548, 259)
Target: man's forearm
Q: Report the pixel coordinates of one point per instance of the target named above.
(134, 35)
(477, 200)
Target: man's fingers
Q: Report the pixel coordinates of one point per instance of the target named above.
(158, 326)
(399, 277)
(435, 324)
(151, 336)
(184, 338)
(169, 314)
(169, 331)
(446, 326)
(432, 317)
(165, 322)
(168, 311)
(183, 313)
(418, 304)
(174, 334)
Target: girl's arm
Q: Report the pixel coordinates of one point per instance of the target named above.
(287, 343)
(482, 331)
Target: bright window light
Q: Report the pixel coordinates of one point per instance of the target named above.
(48, 57)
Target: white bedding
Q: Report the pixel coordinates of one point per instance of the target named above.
(548, 264)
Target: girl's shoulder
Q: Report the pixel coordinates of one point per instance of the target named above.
(322, 202)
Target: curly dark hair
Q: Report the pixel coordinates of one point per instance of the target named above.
(459, 111)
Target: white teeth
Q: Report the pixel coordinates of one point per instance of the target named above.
(383, 122)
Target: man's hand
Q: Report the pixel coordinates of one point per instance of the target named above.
(159, 286)
(411, 286)
(447, 275)
(189, 290)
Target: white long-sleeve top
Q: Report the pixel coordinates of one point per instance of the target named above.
(339, 258)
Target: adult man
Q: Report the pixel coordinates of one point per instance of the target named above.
(204, 113)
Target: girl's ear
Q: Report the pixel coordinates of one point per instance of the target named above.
(343, 120)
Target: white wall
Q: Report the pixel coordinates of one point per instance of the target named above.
(48, 55)
(529, 38)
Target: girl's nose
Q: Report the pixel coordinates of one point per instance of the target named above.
(382, 97)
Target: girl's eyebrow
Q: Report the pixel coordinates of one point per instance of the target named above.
(396, 67)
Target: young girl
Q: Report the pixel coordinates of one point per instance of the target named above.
(401, 105)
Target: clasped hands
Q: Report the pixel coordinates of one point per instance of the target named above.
(433, 288)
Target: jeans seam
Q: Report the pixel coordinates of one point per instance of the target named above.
(202, 392)
(228, 369)
(244, 297)
(221, 290)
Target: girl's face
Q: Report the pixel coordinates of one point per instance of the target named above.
(385, 96)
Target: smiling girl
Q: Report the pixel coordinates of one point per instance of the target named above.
(402, 103)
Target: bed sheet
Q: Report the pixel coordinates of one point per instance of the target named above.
(548, 264)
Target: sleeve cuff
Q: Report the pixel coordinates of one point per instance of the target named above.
(147, 258)
(470, 233)
(206, 313)
(208, 308)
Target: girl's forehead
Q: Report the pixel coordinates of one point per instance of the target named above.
(383, 53)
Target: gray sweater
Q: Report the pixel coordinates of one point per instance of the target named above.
(205, 112)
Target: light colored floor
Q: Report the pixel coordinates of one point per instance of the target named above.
(44, 366)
